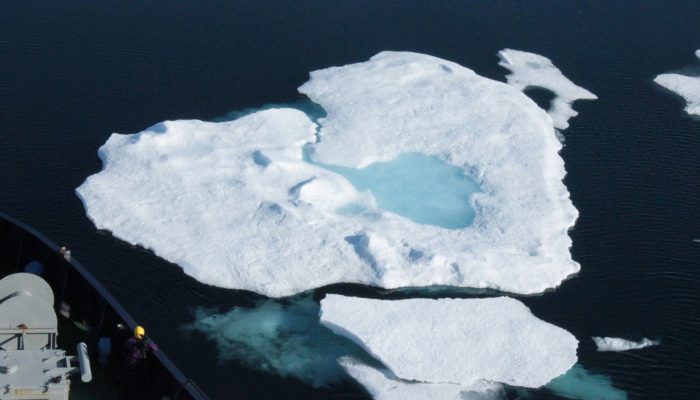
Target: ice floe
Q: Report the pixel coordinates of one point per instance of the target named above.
(619, 344)
(383, 385)
(685, 86)
(534, 70)
(235, 205)
(457, 341)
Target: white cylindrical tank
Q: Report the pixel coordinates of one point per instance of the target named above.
(85, 371)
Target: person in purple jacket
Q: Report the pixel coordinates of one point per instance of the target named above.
(137, 348)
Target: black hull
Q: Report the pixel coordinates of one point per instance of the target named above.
(90, 302)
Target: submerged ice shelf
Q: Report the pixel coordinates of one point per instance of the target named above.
(493, 339)
(580, 384)
(285, 339)
(235, 205)
(685, 86)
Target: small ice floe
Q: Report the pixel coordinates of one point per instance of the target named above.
(619, 344)
(685, 86)
(383, 385)
(457, 341)
(533, 70)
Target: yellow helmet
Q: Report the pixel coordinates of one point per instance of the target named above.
(139, 332)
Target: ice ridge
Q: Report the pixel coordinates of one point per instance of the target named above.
(383, 385)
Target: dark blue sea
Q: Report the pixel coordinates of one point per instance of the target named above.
(73, 72)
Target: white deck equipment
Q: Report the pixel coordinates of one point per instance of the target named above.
(31, 365)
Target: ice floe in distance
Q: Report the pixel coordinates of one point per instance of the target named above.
(685, 86)
(534, 70)
(235, 204)
(383, 385)
(619, 344)
(455, 341)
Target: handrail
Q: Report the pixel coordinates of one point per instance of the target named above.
(186, 383)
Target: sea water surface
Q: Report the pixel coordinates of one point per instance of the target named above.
(71, 73)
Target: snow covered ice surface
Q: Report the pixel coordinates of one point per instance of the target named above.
(382, 385)
(685, 86)
(534, 70)
(457, 341)
(619, 344)
(234, 204)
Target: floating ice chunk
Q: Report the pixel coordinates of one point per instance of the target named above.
(529, 69)
(580, 384)
(685, 86)
(234, 204)
(619, 344)
(382, 385)
(283, 339)
(454, 340)
(400, 103)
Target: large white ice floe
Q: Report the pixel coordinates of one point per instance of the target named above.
(533, 70)
(382, 385)
(685, 86)
(235, 205)
(457, 341)
(619, 344)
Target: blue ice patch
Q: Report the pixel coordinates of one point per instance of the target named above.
(421, 188)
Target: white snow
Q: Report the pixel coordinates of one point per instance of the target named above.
(619, 344)
(455, 341)
(687, 87)
(534, 70)
(235, 206)
(382, 385)
(196, 194)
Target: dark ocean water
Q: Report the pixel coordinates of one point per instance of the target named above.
(73, 72)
